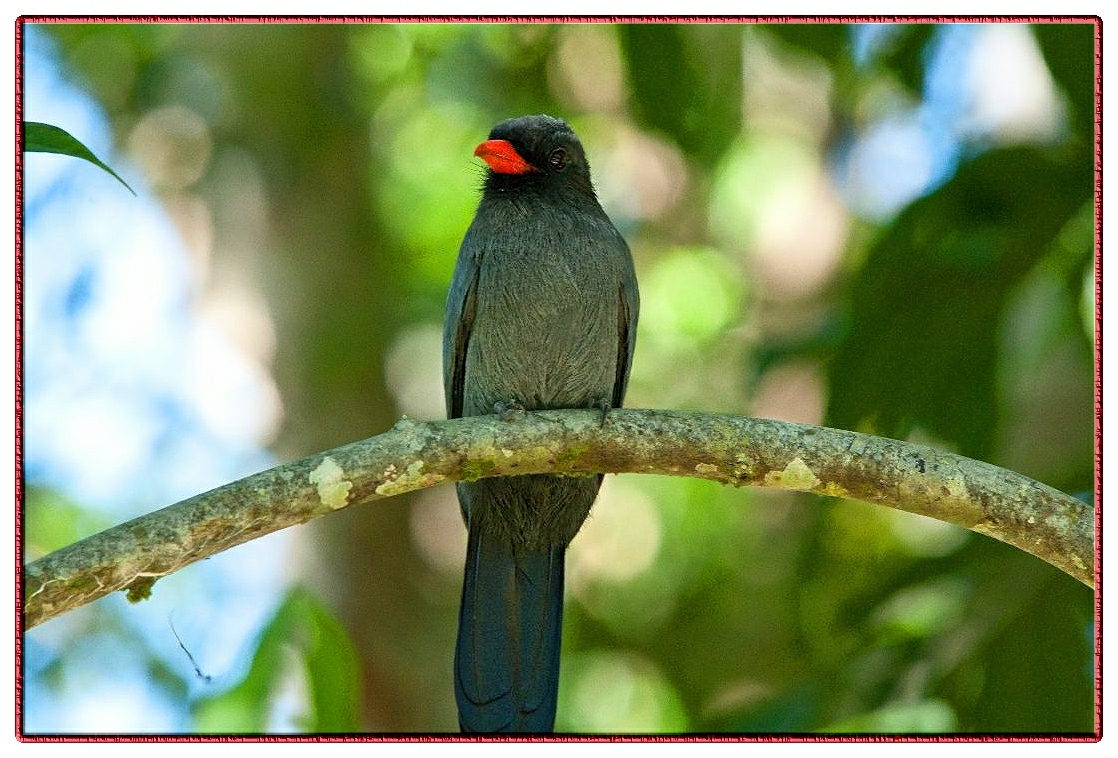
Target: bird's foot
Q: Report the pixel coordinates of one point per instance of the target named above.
(604, 407)
(509, 410)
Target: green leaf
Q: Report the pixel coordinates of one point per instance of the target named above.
(301, 631)
(45, 138)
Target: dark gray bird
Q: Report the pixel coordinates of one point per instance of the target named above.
(542, 313)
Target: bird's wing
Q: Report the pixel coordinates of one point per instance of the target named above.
(459, 323)
(628, 306)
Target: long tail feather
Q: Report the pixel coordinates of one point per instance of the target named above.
(506, 668)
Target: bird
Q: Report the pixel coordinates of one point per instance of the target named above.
(541, 314)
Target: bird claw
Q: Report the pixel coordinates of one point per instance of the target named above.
(508, 411)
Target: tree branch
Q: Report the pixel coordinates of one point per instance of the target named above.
(412, 455)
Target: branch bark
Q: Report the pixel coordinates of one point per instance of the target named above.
(412, 455)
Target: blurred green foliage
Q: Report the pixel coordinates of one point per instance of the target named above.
(959, 322)
(301, 635)
(52, 521)
(947, 266)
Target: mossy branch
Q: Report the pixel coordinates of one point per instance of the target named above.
(412, 455)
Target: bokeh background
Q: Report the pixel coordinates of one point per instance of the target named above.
(887, 228)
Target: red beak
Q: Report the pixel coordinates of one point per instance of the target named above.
(502, 157)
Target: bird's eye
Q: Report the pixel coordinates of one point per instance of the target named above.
(557, 159)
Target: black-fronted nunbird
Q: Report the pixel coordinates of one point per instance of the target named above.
(542, 314)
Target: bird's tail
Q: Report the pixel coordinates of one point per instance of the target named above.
(506, 667)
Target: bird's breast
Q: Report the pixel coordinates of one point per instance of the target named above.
(545, 330)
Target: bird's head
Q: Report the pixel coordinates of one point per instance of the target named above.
(534, 151)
